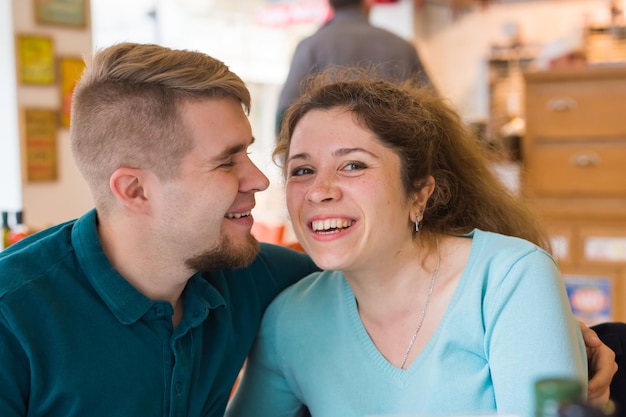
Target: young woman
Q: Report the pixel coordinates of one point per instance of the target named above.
(437, 296)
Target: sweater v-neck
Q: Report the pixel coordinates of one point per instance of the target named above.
(397, 376)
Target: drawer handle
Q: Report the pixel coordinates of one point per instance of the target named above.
(585, 160)
(562, 104)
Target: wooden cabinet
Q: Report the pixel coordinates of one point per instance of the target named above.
(574, 172)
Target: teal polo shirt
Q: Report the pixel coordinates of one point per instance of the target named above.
(76, 339)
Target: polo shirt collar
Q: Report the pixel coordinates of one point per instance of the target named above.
(124, 300)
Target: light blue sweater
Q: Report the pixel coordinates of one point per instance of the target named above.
(508, 324)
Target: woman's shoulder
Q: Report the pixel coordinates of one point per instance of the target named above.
(501, 258)
(314, 283)
(503, 243)
(311, 289)
(498, 251)
(308, 301)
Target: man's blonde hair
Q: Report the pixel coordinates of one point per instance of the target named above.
(126, 110)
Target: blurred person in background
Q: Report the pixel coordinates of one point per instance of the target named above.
(349, 39)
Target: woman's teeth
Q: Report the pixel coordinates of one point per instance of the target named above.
(327, 224)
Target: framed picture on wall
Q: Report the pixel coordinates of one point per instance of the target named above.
(39, 133)
(70, 70)
(61, 12)
(35, 59)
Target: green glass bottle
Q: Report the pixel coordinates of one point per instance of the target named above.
(551, 394)
(5, 230)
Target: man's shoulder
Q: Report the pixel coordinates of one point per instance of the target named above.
(30, 258)
(354, 32)
(275, 262)
(274, 269)
(272, 254)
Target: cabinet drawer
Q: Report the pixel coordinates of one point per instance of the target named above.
(573, 170)
(603, 243)
(576, 109)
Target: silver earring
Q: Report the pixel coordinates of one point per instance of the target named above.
(417, 220)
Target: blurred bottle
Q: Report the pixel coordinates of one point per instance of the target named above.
(586, 410)
(5, 230)
(19, 231)
(552, 394)
(564, 397)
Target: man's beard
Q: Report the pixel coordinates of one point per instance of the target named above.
(225, 255)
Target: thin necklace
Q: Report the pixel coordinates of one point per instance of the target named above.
(433, 278)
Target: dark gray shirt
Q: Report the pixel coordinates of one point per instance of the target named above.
(348, 39)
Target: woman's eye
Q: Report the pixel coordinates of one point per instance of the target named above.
(297, 172)
(354, 165)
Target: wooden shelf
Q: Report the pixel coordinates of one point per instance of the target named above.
(574, 172)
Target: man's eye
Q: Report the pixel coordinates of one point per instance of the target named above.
(227, 164)
(354, 165)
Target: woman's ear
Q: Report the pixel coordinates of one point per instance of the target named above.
(425, 188)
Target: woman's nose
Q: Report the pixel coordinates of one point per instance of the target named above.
(324, 189)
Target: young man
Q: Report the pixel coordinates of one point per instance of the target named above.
(148, 304)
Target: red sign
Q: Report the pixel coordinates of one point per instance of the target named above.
(284, 14)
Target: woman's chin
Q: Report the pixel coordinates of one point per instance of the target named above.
(327, 262)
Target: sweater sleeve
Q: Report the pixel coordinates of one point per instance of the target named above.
(530, 332)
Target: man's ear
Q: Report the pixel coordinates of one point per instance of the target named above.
(129, 186)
